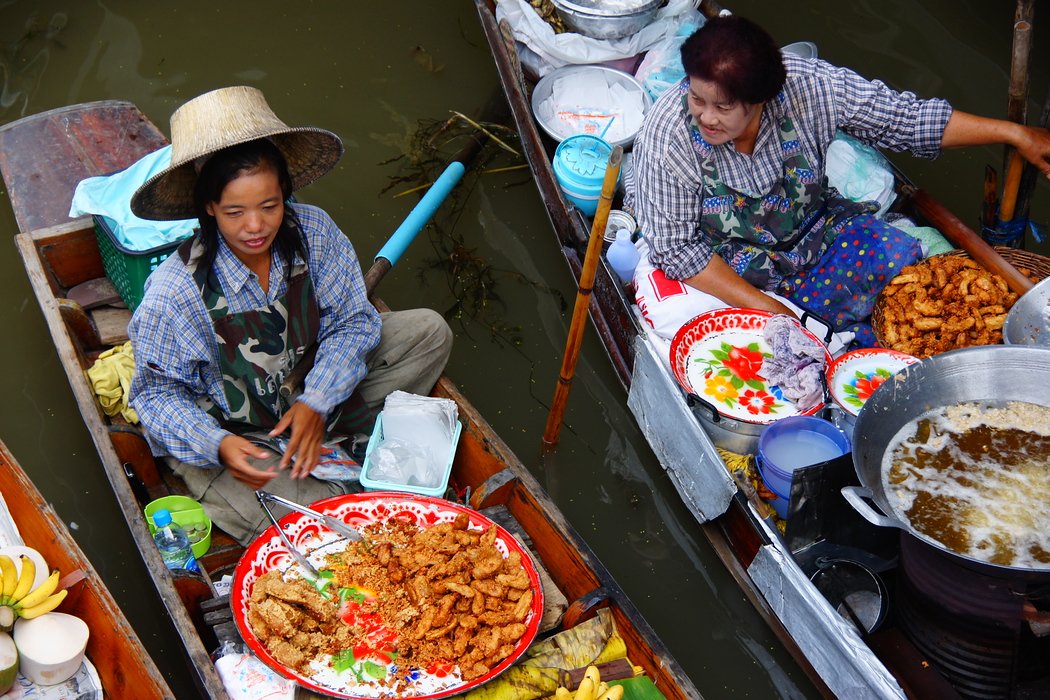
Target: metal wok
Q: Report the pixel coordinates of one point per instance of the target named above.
(987, 373)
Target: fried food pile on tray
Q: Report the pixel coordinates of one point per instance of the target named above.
(942, 303)
(446, 592)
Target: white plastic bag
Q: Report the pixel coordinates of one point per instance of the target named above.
(662, 68)
(550, 50)
(859, 172)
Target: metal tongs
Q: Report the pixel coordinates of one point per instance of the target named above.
(332, 523)
(312, 573)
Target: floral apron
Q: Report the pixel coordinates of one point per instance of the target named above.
(850, 251)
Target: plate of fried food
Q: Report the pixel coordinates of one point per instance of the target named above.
(436, 599)
(942, 303)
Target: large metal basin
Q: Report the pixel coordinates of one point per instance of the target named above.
(987, 373)
(607, 19)
(1028, 322)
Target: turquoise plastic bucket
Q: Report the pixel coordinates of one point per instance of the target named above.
(579, 166)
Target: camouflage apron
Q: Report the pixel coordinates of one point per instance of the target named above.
(783, 233)
(258, 348)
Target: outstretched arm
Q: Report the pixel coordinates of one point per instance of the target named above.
(1033, 143)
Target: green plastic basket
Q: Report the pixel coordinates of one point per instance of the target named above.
(128, 269)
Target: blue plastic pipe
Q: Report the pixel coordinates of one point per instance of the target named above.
(421, 213)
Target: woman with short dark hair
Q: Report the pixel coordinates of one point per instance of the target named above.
(728, 185)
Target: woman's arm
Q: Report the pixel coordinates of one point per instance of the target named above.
(720, 280)
(1031, 142)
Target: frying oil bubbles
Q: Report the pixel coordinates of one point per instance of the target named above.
(976, 478)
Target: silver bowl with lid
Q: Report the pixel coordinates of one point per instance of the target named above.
(606, 19)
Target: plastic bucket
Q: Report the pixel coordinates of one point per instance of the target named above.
(792, 443)
(189, 514)
(579, 166)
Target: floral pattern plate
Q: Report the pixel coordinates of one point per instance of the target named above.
(369, 663)
(857, 374)
(717, 356)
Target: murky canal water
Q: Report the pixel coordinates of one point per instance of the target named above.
(370, 71)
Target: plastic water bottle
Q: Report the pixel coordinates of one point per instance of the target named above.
(173, 543)
(623, 256)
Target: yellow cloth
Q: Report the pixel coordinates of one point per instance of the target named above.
(110, 377)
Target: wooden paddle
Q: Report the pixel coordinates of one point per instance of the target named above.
(964, 237)
(583, 300)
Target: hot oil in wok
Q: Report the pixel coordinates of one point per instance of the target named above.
(976, 478)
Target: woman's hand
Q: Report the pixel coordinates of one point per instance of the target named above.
(720, 280)
(1034, 146)
(235, 452)
(305, 443)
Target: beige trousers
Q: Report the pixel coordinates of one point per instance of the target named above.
(413, 348)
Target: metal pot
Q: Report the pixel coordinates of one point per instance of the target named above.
(986, 373)
(1028, 322)
(607, 19)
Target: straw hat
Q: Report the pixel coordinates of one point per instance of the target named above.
(217, 120)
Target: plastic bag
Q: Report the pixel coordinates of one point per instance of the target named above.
(245, 677)
(417, 440)
(661, 69)
(859, 172)
(547, 50)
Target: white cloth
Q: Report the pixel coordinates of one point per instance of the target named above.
(667, 305)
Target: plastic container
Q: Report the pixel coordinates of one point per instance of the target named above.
(623, 256)
(173, 543)
(128, 269)
(187, 513)
(371, 484)
(792, 443)
(579, 166)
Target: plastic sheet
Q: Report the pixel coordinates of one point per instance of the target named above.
(417, 440)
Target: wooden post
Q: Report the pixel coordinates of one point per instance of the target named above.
(583, 301)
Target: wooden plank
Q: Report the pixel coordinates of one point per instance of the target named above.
(82, 141)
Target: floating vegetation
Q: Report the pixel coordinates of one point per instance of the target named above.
(473, 282)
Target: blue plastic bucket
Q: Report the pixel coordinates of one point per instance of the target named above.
(579, 166)
(792, 443)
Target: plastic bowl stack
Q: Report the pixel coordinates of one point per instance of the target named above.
(606, 19)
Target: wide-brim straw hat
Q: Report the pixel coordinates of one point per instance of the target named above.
(220, 119)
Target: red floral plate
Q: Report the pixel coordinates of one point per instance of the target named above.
(856, 374)
(366, 666)
(717, 356)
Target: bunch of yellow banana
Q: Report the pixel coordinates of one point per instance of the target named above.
(16, 598)
(592, 687)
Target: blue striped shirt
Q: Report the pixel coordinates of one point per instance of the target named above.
(177, 372)
(664, 187)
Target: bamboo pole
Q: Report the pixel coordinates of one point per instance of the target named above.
(583, 302)
(1017, 102)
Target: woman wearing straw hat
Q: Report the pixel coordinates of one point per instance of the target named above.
(225, 319)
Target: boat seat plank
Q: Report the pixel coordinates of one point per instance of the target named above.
(83, 141)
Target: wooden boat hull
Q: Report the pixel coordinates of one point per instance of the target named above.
(123, 665)
(59, 253)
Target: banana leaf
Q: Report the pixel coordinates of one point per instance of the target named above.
(639, 688)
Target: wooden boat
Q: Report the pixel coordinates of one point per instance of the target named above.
(42, 157)
(122, 663)
(772, 569)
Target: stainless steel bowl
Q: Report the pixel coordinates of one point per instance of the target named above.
(606, 19)
(1028, 322)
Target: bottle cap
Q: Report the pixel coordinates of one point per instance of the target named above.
(162, 517)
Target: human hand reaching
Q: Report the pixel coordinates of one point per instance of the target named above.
(307, 426)
(236, 452)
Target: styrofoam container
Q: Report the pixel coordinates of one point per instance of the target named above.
(373, 484)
